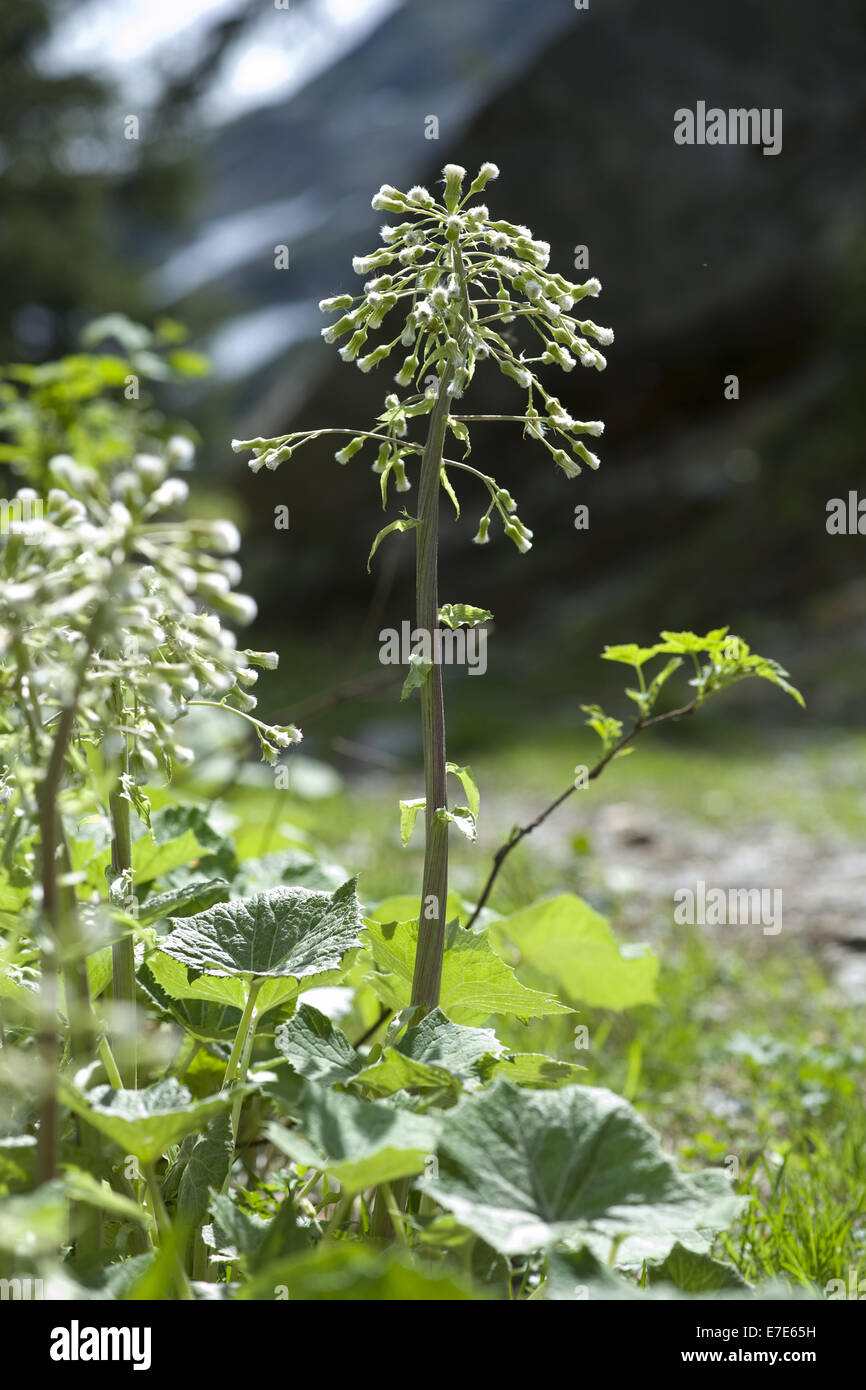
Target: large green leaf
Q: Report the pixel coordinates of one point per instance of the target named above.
(348, 1271)
(199, 1006)
(184, 901)
(476, 982)
(694, 1271)
(295, 932)
(433, 1054)
(144, 1123)
(179, 836)
(181, 984)
(394, 1072)
(436, 1040)
(528, 1169)
(359, 1143)
(571, 948)
(691, 1277)
(533, 1069)
(35, 1222)
(317, 1049)
(208, 1164)
(256, 1240)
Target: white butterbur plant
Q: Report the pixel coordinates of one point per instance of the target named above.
(437, 295)
(113, 625)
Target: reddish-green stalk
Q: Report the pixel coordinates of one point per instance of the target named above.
(434, 890)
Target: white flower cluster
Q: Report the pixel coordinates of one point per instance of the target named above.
(110, 592)
(456, 276)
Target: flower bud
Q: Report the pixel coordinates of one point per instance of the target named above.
(512, 369)
(336, 330)
(454, 176)
(349, 450)
(407, 371)
(240, 446)
(602, 335)
(69, 474)
(350, 351)
(172, 493)
(223, 537)
(374, 358)
(239, 607)
(179, 452)
(567, 464)
(150, 468)
(485, 174)
(520, 534)
(274, 457)
(589, 459)
(339, 301)
(285, 736)
(127, 485)
(592, 287)
(388, 199)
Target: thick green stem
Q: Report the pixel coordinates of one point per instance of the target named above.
(247, 1023)
(239, 1060)
(434, 892)
(123, 951)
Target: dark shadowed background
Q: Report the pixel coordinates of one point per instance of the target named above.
(260, 127)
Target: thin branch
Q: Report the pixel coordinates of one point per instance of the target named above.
(368, 1033)
(522, 831)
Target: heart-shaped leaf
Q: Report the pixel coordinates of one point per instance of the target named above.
(145, 1123)
(528, 1169)
(567, 946)
(295, 932)
(359, 1143)
(476, 982)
